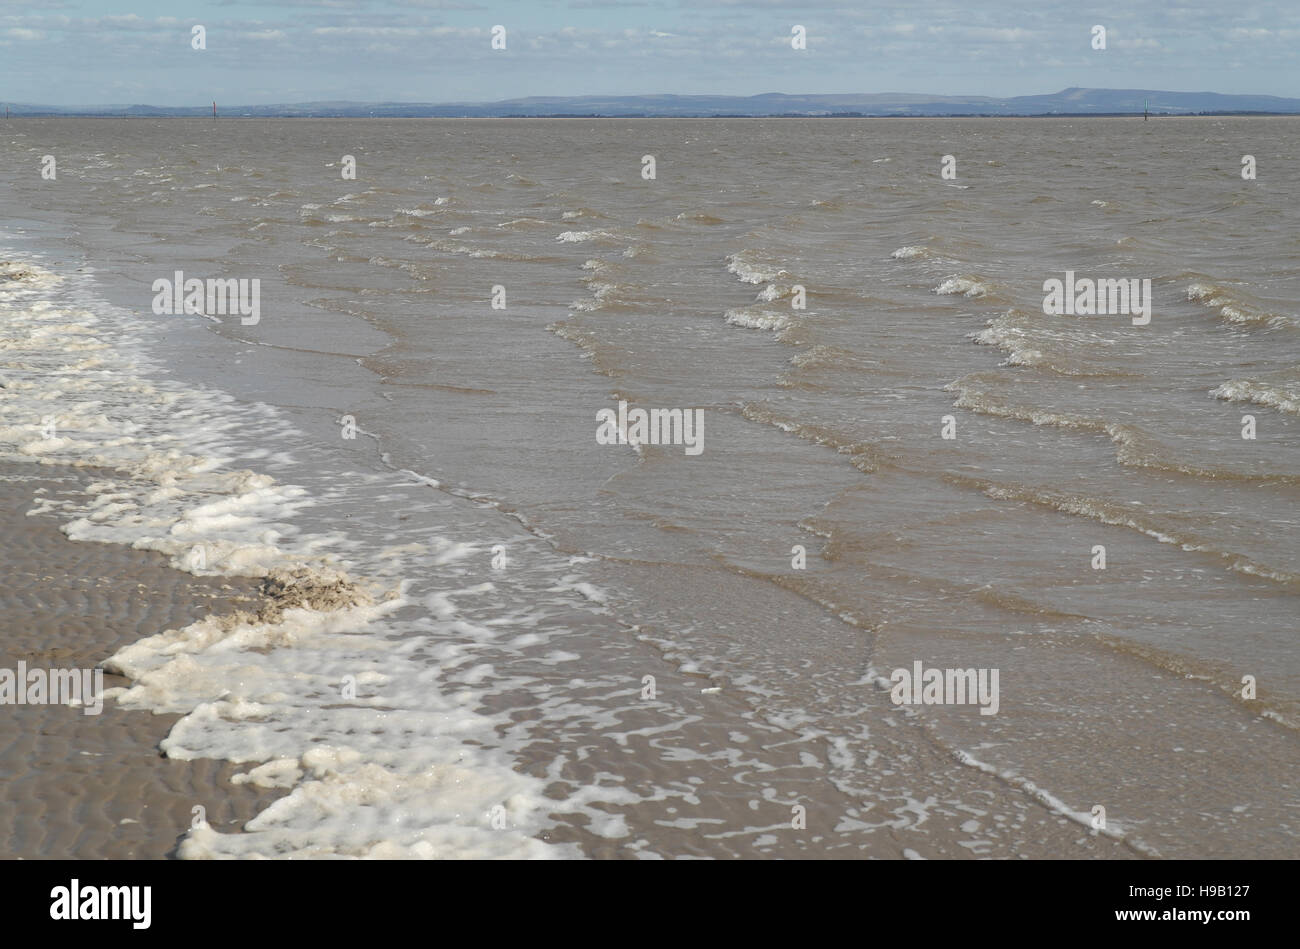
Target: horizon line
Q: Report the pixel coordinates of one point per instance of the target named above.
(915, 100)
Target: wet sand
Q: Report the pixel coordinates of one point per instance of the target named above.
(96, 786)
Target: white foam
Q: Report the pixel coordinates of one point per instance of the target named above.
(578, 237)
(965, 286)
(1283, 395)
(749, 270)
(758, 319)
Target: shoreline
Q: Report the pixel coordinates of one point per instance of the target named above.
(96, 786)
(675, 118)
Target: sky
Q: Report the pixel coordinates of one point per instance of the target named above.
(69, 53)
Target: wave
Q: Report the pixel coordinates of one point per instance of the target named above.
(957, 284)
(758, 318)
(1054, 803)
(229, 513)
(1281, 394)
(524, 223)
(1217, 673)
(750, 267)
(601, 293)
(579, 237)
(867, 457)
(1235, 305)
(1012, 340)
(1121, 515)
(482, 253)
(699, 217)
(1026, 336)
(1134, 448)
(773, 292)
(822, 357)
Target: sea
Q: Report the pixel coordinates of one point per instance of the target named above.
(530, 632)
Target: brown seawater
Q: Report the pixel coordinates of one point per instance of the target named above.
(636, 651)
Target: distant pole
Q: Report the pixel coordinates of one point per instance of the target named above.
(214, 110)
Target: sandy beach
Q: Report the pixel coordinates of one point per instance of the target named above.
(96, 786)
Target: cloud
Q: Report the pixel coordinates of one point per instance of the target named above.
(376, 48)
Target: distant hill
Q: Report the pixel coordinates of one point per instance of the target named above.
(1073, 101)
